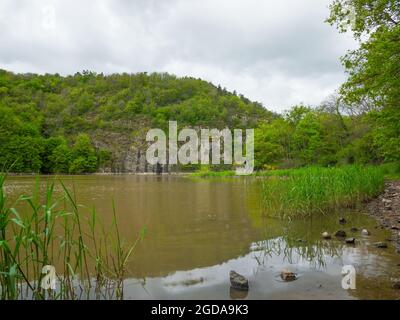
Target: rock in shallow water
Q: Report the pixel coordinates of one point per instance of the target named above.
(396, 285)
(340, 234)
(288, 275)
(326, 235)
(354, 229)
(365, 232)
(238, 281)
(351, 240)
(381, 245)
(342, 221)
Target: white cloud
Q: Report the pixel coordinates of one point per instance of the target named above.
(277, 52)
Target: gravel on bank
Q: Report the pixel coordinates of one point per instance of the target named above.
(386, 209)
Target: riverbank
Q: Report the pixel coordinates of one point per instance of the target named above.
(386, 209)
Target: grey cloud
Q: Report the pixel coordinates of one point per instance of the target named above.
(277, 52)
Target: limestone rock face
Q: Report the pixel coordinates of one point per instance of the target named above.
(128, 150)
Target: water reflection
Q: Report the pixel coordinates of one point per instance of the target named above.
(262, 267)
(294, 252)
(237, 294)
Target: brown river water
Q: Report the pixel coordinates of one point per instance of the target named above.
(200, 229)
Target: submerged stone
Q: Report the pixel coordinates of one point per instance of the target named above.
(340, 234)
(351, 240)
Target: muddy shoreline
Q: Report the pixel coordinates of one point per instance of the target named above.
(386, 209)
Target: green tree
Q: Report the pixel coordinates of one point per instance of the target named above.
(84, 159)
(23, 153)
(374, 68)
(273, 143)
(104, 158)
(308, 139)
(60, 159)
(49, 146)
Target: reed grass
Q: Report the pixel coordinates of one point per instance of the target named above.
(52, 230)
(307, 191)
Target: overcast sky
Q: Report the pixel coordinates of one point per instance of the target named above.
(278, 52)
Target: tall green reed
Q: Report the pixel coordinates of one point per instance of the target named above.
(306, 191)
(49, 228)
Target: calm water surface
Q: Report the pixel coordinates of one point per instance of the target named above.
(200, 229)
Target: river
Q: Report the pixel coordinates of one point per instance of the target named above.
(200, 229)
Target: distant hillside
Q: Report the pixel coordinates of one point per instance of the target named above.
(91, 122)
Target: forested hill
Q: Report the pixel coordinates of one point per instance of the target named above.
(91, 122)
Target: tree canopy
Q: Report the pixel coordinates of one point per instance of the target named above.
(48, 123)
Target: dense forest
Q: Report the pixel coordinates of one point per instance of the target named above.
(80, 123)
(49, 123)
(55, 124)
